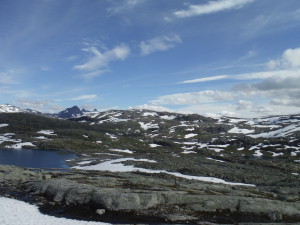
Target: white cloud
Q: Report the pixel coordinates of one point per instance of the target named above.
(286, 102)
(284, 79)
(98, 62)
(153, 107)
(268, 93)
(278, 90)
(263, 110)
(211, 7)
(162, 43)
(290, 59)
(243, 104)
(193, 98)
(85, 98)
(39, 105)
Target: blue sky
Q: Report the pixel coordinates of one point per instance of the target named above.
(221, 57)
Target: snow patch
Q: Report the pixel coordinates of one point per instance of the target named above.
(258, 153)
(166, 117)
(188, 152)
(237, 130)
(190, 135)
(20, 145)
(111, 136)
(15, 212)
(146, 126)
(42, 138)
(217, 160)
(150, 114)
(85, 162)
(154, 145)
(46, 132)
(121, 150)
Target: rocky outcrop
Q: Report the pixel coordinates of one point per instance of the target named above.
(154, 196)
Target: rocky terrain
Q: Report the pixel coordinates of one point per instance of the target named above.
(160, 166)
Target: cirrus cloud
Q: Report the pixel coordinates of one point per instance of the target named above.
(211, 7)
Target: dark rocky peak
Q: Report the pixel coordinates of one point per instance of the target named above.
(72, 112)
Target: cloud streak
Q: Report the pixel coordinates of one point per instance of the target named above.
(205, 79)
(85, 98)
(244, 76)
(211, 7)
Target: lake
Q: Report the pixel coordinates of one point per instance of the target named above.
(36, 158)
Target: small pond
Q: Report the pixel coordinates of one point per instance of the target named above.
(36, 158)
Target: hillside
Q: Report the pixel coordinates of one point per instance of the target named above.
(258, 157)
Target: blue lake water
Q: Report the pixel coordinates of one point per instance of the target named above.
(36, 158)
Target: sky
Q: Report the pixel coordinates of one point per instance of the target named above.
(236, 58)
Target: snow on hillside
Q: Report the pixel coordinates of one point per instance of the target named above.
(237, 130)
(20, 145)
(146, 126)
(283, 132)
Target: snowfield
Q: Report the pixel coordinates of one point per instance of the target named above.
(116, 165)
(14, 212)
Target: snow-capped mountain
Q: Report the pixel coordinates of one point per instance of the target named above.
(6, 108)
